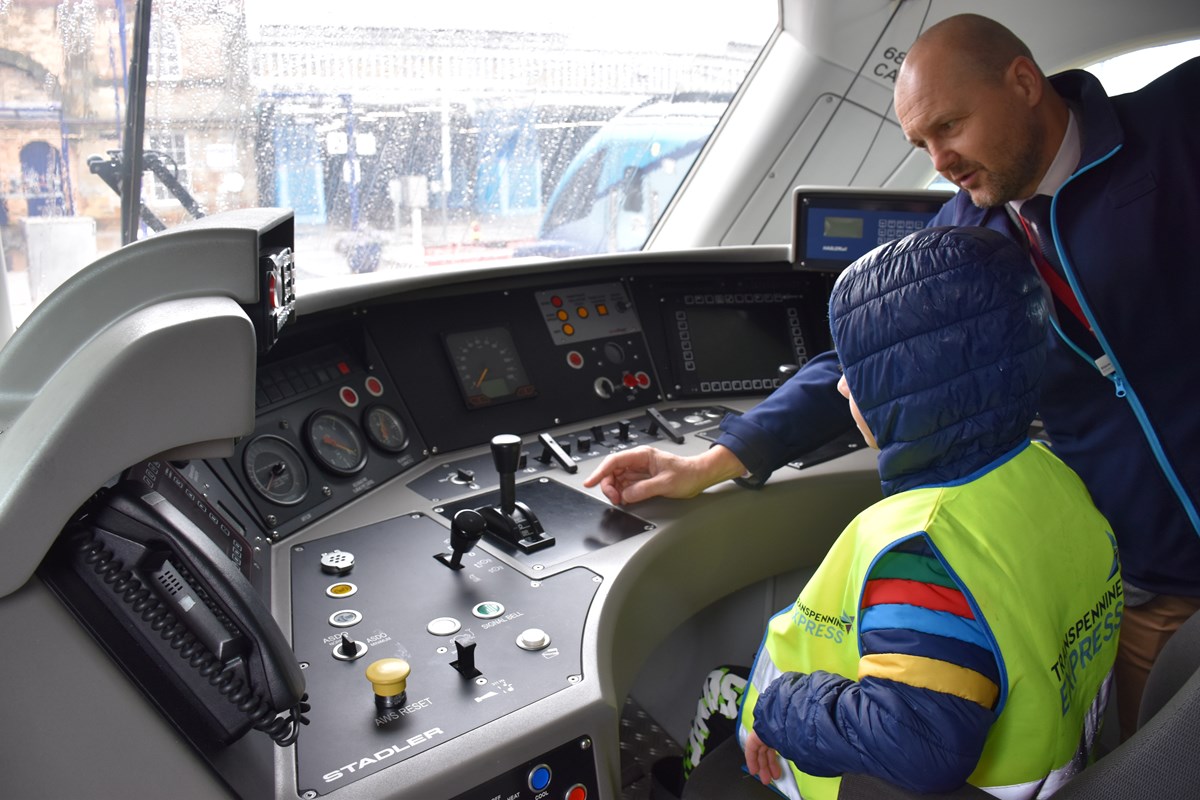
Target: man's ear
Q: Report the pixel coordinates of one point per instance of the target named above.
(1025, 78)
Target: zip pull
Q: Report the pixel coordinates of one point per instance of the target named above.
(1105, 365)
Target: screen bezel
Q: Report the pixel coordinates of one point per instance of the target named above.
(805, 199)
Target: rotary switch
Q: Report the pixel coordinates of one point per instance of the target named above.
(389, 678)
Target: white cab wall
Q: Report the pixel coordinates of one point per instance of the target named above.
(817, 109)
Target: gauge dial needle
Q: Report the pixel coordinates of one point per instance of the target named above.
(277, 471)
(327, 439)
(482, 375)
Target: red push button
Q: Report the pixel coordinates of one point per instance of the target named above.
(349, 396)
(643, 380)
(374, 386)
(575, 359)
(576, 792)
(630, 380)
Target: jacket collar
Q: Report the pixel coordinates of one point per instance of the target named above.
(1100, 125)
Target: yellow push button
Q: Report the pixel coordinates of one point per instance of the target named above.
(389, 678)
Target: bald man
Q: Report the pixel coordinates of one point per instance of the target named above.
(1112, 235)
(1102, 189)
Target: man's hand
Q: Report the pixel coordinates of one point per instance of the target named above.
(762, 761)
(631, 476)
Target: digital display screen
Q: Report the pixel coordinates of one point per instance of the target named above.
(731, 347)
(835, 227)
(736, 343)
(843, 227)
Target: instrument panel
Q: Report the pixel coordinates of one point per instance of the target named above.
(355, 399)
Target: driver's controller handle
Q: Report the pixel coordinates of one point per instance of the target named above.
(466, 528)
(506, 454)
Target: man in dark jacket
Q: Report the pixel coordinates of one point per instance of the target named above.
(1119, 258)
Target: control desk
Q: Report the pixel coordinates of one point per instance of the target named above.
(468, 621)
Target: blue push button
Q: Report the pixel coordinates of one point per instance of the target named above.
(539, 777)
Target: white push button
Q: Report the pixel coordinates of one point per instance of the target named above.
(533, 639)
(444, 626)
(345, 618)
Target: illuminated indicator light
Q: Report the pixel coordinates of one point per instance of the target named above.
(643, 380)
(562, 315)
(341, 590)
(272, 290)
(374, 386)
(568, 329)
(630, 380)
(349, 396)
(574, 359)
(343, 368)
(556, 301)
(576, 792)
(488, 609)
(602, 309)
(582, 312)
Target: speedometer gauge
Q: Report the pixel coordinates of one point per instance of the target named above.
(275, 470)
(488, 367)
(335, 442)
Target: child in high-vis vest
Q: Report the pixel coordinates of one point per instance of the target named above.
(962, 629)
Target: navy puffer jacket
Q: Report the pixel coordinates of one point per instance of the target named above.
(942, 338)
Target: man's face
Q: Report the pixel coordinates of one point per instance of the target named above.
(980, 134)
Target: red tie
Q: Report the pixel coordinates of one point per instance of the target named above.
(1037, 210)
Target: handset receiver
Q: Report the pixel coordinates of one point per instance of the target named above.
(270, 661)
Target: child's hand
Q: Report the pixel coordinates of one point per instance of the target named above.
(762, 761)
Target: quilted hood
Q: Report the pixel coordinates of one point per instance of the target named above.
(941, 336)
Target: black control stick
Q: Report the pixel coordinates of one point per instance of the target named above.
(512, 521)
(506, 454)
(465, 530)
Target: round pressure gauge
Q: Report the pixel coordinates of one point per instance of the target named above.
(385, 429)
(335, 443)
(275, 470)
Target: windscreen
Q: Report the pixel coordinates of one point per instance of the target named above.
(403, 135)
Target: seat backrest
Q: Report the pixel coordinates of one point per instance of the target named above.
(1176, 663)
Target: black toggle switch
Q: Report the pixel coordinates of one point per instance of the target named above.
(348, 649)
(598, 433)
(659, 422)
(623, 430)
(465, 664)
(552, 449)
